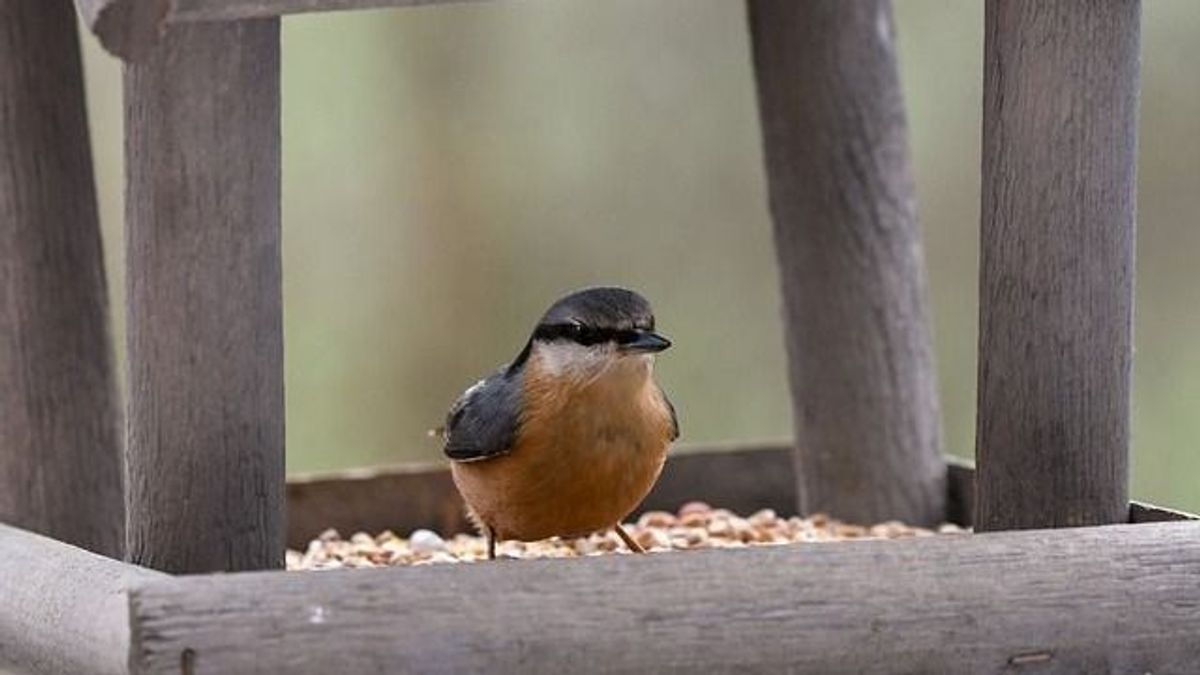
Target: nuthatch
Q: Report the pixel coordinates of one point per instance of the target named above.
(568, 438)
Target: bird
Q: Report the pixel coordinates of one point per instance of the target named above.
(569, 437)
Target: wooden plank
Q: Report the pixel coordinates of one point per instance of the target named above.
(206, 457)
(407, 497)
(131, 29)
(1056, 269)
(60, 453)
(955, 604)
(402, 499)
(65, 610)
(226, 10)
(863, 384)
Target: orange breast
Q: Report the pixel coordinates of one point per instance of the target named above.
(587, 453)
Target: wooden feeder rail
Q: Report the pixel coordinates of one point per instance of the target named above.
(132, 28)
(1104, 598)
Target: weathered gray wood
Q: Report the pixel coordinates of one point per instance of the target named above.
(1118, 599)
(225, 10)
(408, 497)
(1056, 269)
(206, 464)
(131, 29)
(60, 453)
(865, 405)
(402, 498)
(63, 609)
(127, 28)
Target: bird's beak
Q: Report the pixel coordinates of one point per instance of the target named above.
(646, 341)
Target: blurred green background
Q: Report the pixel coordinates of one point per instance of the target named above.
(449, 171)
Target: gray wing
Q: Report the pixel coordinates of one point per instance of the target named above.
(674, 417)
(483, 422)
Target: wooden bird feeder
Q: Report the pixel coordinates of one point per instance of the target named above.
(1081, 581)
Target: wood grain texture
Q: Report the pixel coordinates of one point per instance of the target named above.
(862, 376)
(206, 416)
(994, 603)
(64, 609)
(407, 497)
(129, 29)
(225, 10)
(60, 452)
(132, 29)
(1056, 268)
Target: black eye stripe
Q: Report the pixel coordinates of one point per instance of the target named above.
(584, 335)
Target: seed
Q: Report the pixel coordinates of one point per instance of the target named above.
(762, 518)
(694, 507)
(698, 526)
(426, 541)
(656, 519)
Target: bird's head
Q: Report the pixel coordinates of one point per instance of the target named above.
(593, 330)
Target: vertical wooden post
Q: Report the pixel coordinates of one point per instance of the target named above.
(60, 454)
(862, 375)
(206, 456)
(1056, 269)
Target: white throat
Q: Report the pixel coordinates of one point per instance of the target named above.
(582, 363)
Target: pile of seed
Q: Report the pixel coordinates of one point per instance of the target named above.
(697, 525)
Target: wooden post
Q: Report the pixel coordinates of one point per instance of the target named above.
(862, 375)
(206, 464)
(1056, 269)
(60, 454)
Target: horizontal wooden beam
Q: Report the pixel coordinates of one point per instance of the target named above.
(63, 609)
(740, 477)
(130, 29)
(1119, 598)
(403, 498)
(232, 10)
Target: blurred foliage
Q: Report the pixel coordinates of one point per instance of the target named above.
(449, 171)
